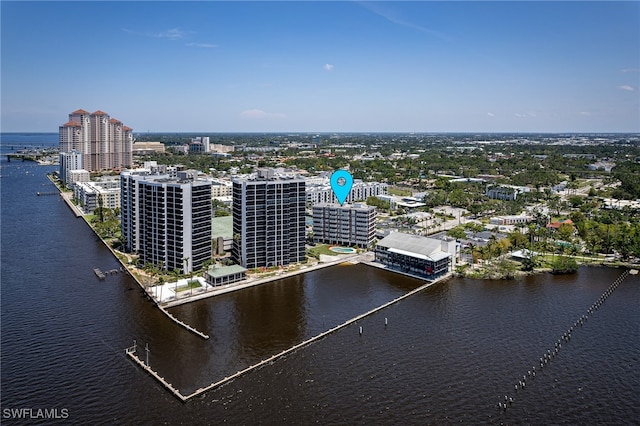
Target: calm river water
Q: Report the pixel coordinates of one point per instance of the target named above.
(448, 354)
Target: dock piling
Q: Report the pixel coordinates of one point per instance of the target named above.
(549, 355)
(271, 359)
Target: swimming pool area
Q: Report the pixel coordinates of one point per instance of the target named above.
(342, 250)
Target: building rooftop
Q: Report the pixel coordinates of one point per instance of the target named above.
(184, 177)
(557, 224)
(274, 178)
(222, 271)
(80, 112)
(345, 206)
(414, 245)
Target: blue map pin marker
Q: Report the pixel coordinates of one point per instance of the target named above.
(341, 183)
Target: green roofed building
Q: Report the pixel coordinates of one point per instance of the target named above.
(222, 275)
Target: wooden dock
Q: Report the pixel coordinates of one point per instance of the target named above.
(200, 391)
(103, 274)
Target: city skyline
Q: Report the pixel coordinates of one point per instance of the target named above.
(324, 66)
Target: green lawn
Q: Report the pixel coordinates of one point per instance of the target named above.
(321, 249)
(189, 286)
(400, 192)
(547, 259)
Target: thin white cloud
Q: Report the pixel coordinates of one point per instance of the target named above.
(258, 114)
(128, 31)
(392, 16)
(328, 67)
(626, 70)
(203, 45)
(490, 114)
(627, 88)
(171, 34)
(585, 113)
(523, 115)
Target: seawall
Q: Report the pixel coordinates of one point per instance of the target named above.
(66, 196)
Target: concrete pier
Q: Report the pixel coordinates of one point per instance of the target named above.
(131, 352)
(187, 326)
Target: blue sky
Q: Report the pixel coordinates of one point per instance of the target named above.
(340, 66)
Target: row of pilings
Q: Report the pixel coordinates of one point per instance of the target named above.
(550, 354)
(131, 351)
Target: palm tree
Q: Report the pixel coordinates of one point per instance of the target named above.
(147, 268)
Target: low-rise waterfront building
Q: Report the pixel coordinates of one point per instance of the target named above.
(91, 195)
(415, 254)
(349, 224)
(222, 275)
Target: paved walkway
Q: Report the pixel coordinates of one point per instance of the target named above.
(67, 196)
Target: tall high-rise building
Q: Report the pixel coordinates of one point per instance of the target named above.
(166, 220)
(268, 220)
(105, 143)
